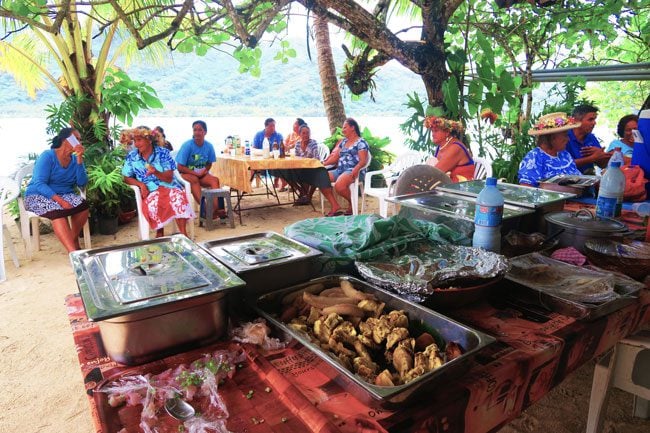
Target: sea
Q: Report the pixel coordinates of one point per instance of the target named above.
(21, 136)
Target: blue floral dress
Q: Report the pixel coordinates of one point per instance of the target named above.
(349, 158)
(538, 165)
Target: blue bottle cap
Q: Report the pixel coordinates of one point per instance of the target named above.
(491, 181)
(616, 164)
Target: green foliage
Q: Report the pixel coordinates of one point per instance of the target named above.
(106, 186)
(376, 145)
(124, 97)
(285, 52)
(418, 137)
(60, 117)
(249, 60)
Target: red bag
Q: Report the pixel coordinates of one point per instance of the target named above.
(634, 183)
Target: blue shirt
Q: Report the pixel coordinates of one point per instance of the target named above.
(274, 138)
(310, 152)
(574, 146)
(135, 166)
(349, 158)
(50, 177)
(625, 149)
(538, 165)
(196, 157)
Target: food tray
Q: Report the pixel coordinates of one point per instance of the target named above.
(517, 195)
(420, 318)
(274, 405)
(624, 291)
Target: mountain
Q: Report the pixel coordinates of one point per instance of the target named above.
(189, 85)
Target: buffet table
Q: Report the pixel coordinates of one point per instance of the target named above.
(535, 350)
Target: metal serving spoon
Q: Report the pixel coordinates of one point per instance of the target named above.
(179, 408)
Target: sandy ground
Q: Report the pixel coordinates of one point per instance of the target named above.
(41, 388)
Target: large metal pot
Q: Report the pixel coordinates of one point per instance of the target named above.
(577, 227)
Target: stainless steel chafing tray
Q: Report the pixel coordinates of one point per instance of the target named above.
(420, 318)
(265, 261)
(153, 298)
(517, 195)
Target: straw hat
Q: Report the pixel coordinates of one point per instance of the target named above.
(443, 123)
(552, 123)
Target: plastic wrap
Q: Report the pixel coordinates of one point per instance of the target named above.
(427, 266)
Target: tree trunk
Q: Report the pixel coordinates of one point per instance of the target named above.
(332, 99)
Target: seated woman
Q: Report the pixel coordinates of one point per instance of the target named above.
(150, 167)
(51, 192)
(451, 155)
(550, 157)
(624, 129)
(351, 154)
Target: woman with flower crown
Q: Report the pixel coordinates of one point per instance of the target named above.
(451, 155)
(150, 167)
(550, 157)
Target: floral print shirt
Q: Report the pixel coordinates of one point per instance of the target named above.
(349, 158)
(538, 165)
(310, 152)
(135, 166)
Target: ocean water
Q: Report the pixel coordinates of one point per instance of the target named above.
(21, 136)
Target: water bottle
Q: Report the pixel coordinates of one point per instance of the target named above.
(617, 156)
(488, 216)
(610, 194)
(247, 147)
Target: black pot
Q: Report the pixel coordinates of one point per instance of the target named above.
(107, 225)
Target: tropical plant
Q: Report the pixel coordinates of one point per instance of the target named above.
(106, 187)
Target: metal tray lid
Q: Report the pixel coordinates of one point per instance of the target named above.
(452, 205)
(518, 195)
(126, 278)
(258, 250)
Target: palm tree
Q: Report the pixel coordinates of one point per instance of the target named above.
(332, 99)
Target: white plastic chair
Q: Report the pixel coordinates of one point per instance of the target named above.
(482, 168)
(356, 188)
(323, 151)
(390, 174)
(28, 218)
(143, 224)
(8, 192)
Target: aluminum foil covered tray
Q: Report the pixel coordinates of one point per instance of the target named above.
(265, 261)
(427, 267)
(372, 346)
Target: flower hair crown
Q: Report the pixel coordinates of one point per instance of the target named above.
(443, 123)
(129, 135)
(552, 123)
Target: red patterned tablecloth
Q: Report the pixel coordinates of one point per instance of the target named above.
(532, 354)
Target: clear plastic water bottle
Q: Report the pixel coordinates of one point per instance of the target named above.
(610, 194)
(617, 156)
(247, 147)
(488, 217)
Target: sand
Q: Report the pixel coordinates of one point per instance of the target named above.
(41, 387)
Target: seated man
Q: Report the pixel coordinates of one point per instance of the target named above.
(583, 146)
(194, 160)
(272, 137)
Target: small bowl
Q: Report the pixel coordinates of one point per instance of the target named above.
(631, 258)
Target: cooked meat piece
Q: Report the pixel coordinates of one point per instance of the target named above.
(395, 336)
(423, 341)
(338, 348)
(365, 367)
(366, 326)
(323, 327)
(403, 358)
(345, 332)
(299, 325)
(368, 342)
(384, 379)
(397, 318)
(361, 350)
(346, 361)
(289, 313)
(434, 358)
(353, 293)
(375, 308)
(314, 314)
(380, 330)
(453, 350)
(414, 373)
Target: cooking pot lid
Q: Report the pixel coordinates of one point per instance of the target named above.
(585, 221)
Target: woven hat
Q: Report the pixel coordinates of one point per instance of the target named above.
(552, 123)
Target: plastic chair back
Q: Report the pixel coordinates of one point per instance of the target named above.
(482, 169)
(420, 178)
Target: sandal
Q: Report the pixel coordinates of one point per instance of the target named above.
(347, 212)
(334, 213)
(302, 201)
